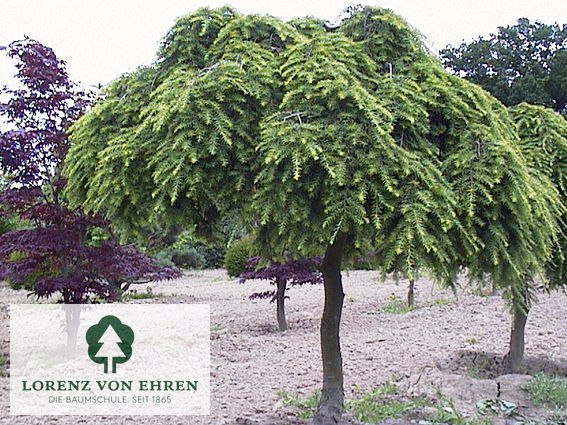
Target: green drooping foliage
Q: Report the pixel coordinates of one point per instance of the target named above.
(385, 37)
(493, 184)
(196, 123)
(543, 140)
(187, 44)
(526, 62)
(342, 170)
(322, 140)
(308, 132)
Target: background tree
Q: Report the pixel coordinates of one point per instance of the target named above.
(324, 141)
(543, 140)
(283, 275)
(432, 107)
(526, 62)
(508, 253)
(55, 252)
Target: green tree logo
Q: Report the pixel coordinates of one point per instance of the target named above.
(110, 342)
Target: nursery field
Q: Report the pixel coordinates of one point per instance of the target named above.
(265, 142)
(446, 349)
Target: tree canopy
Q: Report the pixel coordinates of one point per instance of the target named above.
(543, 141)
(526, 62)
(307, 128)
(322, 139)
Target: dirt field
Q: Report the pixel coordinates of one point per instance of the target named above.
(453, 345)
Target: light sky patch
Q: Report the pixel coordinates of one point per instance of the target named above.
(102, 39)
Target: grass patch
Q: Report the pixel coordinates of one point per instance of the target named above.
(440, 302)
(307, 406)
(547, 391)
(396, 306)
(373, 406)
(135, 295)
(382, 403)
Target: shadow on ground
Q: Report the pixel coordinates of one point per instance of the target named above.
(486, 365)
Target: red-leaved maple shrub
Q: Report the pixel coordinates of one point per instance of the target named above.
(54, 252)
(282, 275)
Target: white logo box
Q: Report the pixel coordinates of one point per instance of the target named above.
(168, 372)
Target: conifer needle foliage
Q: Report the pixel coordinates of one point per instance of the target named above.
(543, 141)
(310, 132)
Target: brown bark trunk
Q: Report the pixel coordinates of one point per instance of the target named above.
(513, 360)
(280, 299)
(411, 293)
(332, 397)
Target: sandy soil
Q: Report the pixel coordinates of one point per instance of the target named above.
(252, 361)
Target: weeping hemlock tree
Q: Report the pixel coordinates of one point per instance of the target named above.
(497, 196)
(323, 140)
(543, 141)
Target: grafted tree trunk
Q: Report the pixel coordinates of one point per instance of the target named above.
(515, 355)
(513, 359)
(280, 299)
(411, 297)
(332, 397)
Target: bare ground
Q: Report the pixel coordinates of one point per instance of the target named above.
(443, 343)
